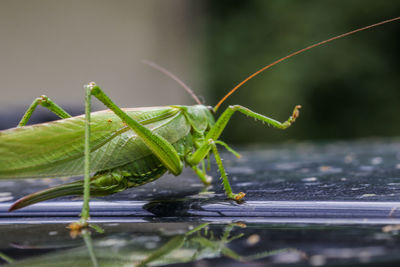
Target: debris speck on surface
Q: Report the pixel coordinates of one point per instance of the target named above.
(253, 239)
(309, 179)
(376, 160)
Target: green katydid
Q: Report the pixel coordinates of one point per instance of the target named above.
(123, 147)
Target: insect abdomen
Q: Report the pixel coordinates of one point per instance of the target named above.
(145, 171)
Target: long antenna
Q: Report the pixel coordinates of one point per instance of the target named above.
(298, 52)
(172, 76)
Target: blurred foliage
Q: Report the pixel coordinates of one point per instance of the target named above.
(348, 88)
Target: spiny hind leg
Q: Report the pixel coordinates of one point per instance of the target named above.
(46, 102)
(161, 148)
(86, 180)
(77, 226)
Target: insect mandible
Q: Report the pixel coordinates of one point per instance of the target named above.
(123, 148)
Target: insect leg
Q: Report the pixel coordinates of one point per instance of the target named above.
(216, 131)
(46, 102)
(222, 121)
(86, 181)
(206, 179)
(220, 125)
(228, 148)
(161, 148)
(202, 175)
(89, 245)
(225, 181)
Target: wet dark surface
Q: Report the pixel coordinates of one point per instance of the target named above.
(255, 245)
(323, 204)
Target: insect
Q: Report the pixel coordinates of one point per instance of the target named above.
(123, 148)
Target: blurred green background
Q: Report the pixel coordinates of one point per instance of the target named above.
(348, 88)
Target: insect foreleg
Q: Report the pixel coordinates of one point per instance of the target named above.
(46, 102)
(220, 125)
(222, 121)
(216, 131)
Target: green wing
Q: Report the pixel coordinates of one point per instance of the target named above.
(55, 149)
